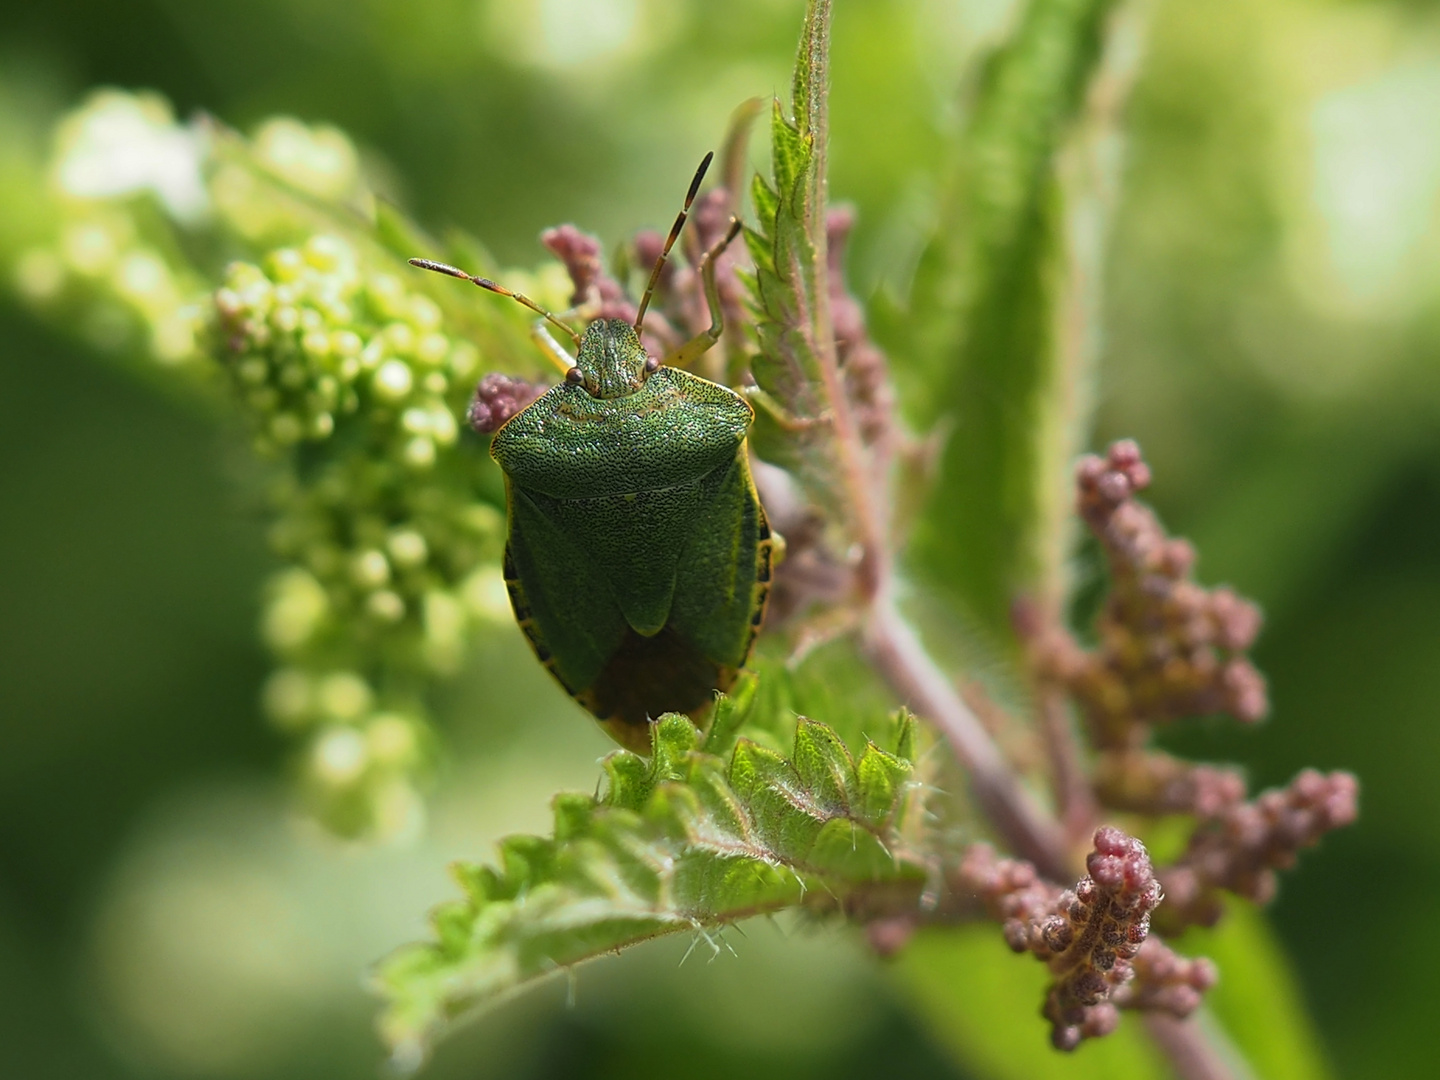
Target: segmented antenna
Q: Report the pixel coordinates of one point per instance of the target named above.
(486, 283)
(670, 241)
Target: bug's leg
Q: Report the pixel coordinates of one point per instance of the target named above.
(586, 311)
(696, 347)
(774, 412)
(554, 352)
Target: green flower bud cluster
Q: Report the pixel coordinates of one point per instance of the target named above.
(352, 378)
(133, 195)
(348, 376)
(308, 336)
(125, 292)
(123, 174)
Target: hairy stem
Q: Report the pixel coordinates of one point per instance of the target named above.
(898, 655)
(1089, 171)
(865, 492)
(1197, 1050)
(1073, 793)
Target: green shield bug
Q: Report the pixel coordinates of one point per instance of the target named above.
(638, 556)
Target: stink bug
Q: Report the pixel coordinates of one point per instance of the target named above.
(637, 555)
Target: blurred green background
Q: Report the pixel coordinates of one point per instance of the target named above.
(1271, 338)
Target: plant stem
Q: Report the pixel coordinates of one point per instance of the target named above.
(1197, 1050)
(898, 655)
(890, 642)
(1073, 794)
(865, 491)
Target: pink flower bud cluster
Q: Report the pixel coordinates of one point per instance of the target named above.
(580, 252)
(1088, 936)
(1241, 850)
(1168, 648)
(499, 397)
(1146, 782)
(1098, 930)
(1166, 982)
(1011, 890)
(679, 308)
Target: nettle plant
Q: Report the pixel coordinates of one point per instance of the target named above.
(845, 773)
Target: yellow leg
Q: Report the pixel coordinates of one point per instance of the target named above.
(552, 349)
(697, 346)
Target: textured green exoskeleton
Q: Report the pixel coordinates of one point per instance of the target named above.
(638, 556)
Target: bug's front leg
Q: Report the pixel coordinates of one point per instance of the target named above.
(697, 346)
(553, 350)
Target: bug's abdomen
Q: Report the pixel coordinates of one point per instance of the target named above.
(696, 561)
(669, 672)
(649, 676)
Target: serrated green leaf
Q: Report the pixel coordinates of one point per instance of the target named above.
(524, 861)
(836, 683)
(673, 739)
(679, 842)
(812, 70)
(572, 815)
(841, 844)
(824, 766)
(633, 779)
(787, 815)
(718, 820)
(905, 731)
(731, 712)
(452, 922)
(788, 249)
(629, 779)
(791, 152)
(766, 203)
(880, 779)
(480, 883)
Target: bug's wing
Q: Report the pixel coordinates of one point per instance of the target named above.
(724, 571)
(574, 622)
(634, 542)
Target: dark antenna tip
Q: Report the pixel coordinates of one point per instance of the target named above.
(699, 177)
(439, 268)
(670, 240)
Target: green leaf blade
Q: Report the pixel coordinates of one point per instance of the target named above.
(987, 319)
(681, 842)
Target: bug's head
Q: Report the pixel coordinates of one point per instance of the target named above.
(612, 362)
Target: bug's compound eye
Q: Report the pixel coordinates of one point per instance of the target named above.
(651, 365)
(575, 376)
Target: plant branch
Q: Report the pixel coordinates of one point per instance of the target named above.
(1197, 1050)
(865, 491)
(899, 656)
(1073, 793)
